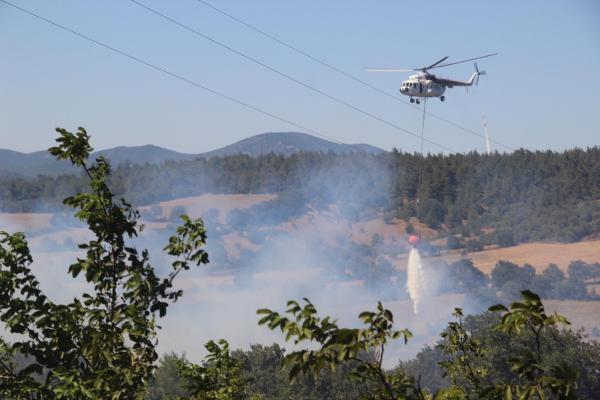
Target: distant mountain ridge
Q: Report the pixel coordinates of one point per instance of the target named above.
(287, 143)
(16, 164)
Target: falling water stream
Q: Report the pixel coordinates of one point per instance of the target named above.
(415, 280)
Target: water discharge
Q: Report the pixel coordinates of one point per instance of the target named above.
(415, 279)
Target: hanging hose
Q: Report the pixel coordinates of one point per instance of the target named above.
(422, 140)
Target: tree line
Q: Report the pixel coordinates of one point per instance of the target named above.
(541, 195)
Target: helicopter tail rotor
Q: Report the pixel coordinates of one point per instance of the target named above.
(478, 73)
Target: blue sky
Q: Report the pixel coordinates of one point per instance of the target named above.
(541, 92)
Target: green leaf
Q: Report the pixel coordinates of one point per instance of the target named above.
(497, 307)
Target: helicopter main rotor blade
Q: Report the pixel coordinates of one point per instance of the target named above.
(462, 61)
(432, 65)
(389, 70)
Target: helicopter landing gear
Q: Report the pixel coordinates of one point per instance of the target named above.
(418, 101)
(442, 98)
(412, 100)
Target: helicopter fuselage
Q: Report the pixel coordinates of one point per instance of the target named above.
(428, 85)
(422, 86)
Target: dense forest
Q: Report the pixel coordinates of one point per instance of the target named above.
(525, 195)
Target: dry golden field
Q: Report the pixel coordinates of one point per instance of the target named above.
(539, 255)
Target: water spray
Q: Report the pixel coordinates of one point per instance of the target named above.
(415, 279)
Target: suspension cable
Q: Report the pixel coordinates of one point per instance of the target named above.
(422, 139)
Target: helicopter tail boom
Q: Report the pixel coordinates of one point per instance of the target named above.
(474, 79)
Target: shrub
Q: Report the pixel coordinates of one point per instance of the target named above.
(454, 243)
(473, 245)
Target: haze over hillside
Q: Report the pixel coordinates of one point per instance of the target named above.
(14, 164)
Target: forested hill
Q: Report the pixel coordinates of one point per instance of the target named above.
(288, 143)
(533, 195)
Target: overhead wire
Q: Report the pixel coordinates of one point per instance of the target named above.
(342, 72)
(179, 77)
(285, 75)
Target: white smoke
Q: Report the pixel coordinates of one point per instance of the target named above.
(326, 252)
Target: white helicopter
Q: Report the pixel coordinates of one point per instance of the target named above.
(424, 84)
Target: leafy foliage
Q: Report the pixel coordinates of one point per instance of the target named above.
(264, 378)
(537, 381)
(467, 361)
(218, 378)
(101, 345)
(167, 382)
(475, 372)
(474, 359)
(341, 345)
(465, 365)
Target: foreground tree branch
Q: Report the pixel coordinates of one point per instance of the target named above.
(103, 344)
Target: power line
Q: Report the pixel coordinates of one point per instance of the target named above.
(340, 71)
(289, 77)
(177, 76)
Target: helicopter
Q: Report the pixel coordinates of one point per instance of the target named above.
(425, 84)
